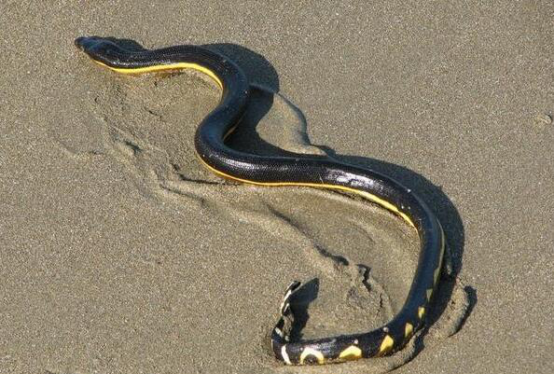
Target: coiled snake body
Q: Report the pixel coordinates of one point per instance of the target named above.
(297, 170)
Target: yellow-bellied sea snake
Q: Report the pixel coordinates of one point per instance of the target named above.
(296, 170)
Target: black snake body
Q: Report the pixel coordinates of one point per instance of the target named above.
(298, 170)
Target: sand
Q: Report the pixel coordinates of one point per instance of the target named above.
(121, 254)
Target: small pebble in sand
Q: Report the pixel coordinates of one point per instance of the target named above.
(543, 119)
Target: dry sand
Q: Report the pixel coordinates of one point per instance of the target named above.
(120, 254)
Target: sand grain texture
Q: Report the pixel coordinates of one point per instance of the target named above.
(120, 254)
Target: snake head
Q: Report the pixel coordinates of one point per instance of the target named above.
(98, 48)
(90, 43)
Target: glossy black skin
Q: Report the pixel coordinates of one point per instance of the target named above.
(298, 169)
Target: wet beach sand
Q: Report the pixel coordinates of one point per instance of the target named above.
(121, 254)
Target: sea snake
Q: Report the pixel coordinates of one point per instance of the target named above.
(293, 170)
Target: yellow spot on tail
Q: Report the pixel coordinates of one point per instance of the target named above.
(386, 345)
(351, 353)
(285, 355)
(408, 331)
(421, 312)
(429, 294)
(312, 352)
(174, 66)
(385, 204)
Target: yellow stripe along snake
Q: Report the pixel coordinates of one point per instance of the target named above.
(295, 170)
